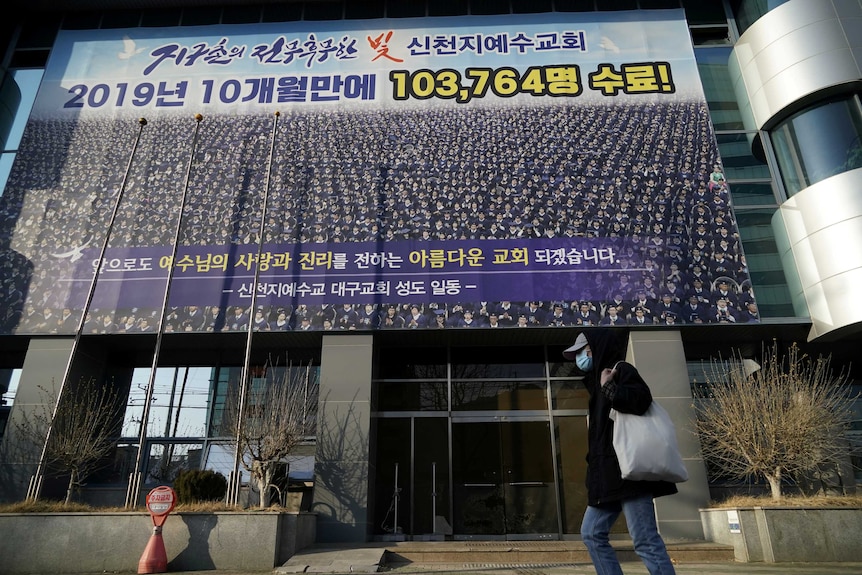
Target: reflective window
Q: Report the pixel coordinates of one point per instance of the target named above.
(764, 263)
(405, 8)
(81, 20)
(710, 35)
(531, 6)
(8, 388)
(448, 8)
(752, 194)
(285, 12)
(659, 4)
(610, 5)
(364, 10)
(488, 7)
(718, 89)
(180, 402)
(27, 82)
(240, 14)
(569, 394)
(6, 161)
(698, 12)
(747, 12)
(121, 19)
(499, 395)
(498, 362)
(412, 363)
(410, 396)
(167, 460)
(158, 18)
(292, 384)
(738, 161)
(201, 16)
(38, 31)
(819, 142)
(574, 5)
(324, 11)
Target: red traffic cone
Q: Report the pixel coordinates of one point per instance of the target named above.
(154, 558)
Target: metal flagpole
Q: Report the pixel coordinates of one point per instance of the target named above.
(34, 490)
(234, 487)
(135, 479)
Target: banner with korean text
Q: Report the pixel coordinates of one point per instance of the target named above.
(409, 173)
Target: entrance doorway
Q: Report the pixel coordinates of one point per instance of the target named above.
(479, 477)
(503, 480)
(498, 470)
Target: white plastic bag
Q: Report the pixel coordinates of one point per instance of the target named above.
(646, 446)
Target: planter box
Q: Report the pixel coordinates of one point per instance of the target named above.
(108, 542)
(786, 534)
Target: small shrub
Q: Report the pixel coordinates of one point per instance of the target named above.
(194, 485)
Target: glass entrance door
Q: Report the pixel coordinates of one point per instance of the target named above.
(503, 476)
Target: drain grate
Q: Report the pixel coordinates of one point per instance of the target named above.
(526, 570)
(520, 568)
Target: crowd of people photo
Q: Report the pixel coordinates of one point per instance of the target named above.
(647, 173)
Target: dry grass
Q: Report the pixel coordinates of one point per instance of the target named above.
(790, 501)
(46, 507)
(59, 507)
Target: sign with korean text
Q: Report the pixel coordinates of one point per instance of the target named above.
(447, 164)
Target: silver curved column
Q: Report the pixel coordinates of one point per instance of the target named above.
(796, 53)
(819, 235)
(801, 52)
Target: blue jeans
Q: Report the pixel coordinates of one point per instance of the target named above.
(640, 518)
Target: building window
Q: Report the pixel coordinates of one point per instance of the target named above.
(718, 87)
(764, 262)
(818, 142)
(747, 12)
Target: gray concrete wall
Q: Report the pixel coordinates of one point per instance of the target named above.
(342, 460)
(115, 542)
(660, 359)
(787, 534)
(41, 376)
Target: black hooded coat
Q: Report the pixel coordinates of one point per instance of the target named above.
(627, 393)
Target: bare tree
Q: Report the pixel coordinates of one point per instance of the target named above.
(781, 421)
(279, 413)
(84, 430)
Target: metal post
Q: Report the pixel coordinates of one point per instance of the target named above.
(134, 491)
(395, 528)
(246, 368)
(34, 489)
(433, 497)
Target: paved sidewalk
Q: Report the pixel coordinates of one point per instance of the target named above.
(629, 568)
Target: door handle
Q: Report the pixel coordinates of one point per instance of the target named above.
(480, 485)
(527, 483)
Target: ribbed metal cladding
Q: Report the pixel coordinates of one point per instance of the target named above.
(819, 235)
(794, 52)
(795, 55)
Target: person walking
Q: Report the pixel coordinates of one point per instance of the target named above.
(613, 383)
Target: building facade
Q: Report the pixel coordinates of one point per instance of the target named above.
(426, 202)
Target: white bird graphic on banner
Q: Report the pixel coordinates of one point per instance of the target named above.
(129, 49)
(608, 44)
(75, 253)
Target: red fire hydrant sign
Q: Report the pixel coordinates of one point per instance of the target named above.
(160, 502)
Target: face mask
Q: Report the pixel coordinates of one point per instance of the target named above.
(584, 361)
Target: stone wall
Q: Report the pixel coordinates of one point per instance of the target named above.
(109, 542)
(786, 534)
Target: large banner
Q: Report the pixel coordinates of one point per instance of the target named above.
(555, 169)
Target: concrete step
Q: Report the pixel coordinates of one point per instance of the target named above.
(472, 554)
